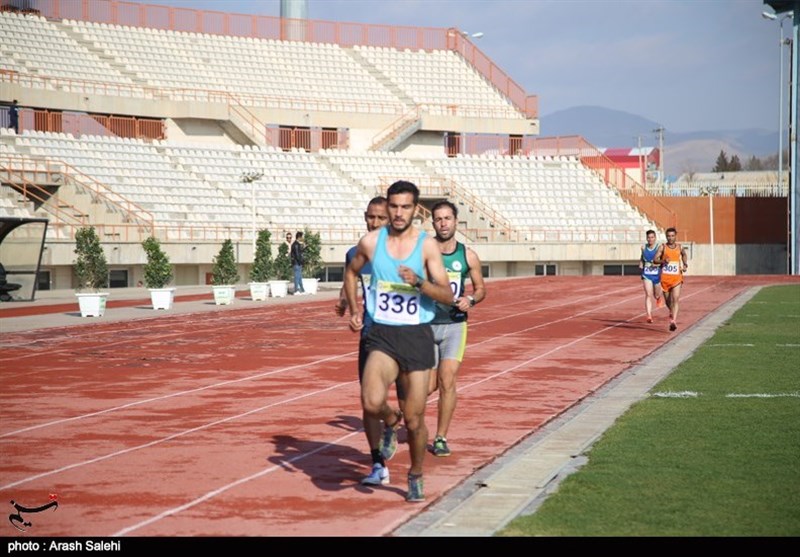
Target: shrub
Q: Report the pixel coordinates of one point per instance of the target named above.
(262, 261)
(157, 271)
(224, 270)
(91, 267)
(283, 263)
(312, 255)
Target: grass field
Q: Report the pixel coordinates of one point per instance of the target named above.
(713, 451)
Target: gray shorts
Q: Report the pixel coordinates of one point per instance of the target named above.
(450, 340)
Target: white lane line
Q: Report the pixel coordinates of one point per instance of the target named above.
(675, 394)
(198, 389)
(210, 494)
(240, 481)
(169, 437)
(171, 395)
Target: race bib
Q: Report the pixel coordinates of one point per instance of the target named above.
(397, 303)
(650, 269)
(455, 283)
(671, 268)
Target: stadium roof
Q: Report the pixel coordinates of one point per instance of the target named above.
(781, 6)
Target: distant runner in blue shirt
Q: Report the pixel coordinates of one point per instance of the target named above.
(651, 275)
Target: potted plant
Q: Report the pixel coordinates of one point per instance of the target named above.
(224, 274)
(91, 270)
(158, 274)
(312, 267)
(282, 270)
(261, 272)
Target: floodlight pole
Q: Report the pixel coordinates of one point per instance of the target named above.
(252, 177)
(710, 191)
(660, 132)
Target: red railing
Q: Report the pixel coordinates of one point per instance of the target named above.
(272, 27)
(79, 124)
(574, 146)
(51, 171)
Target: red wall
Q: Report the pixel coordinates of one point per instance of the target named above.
(737, 220)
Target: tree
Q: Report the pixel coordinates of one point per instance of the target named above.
(91, 267)
(157, 271)
(735, 165)
(224, 271)
(283, 263)
(262, 262)
(722, 163)
(312, 255)
(754, 164)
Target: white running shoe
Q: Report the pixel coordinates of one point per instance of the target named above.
(378, 476)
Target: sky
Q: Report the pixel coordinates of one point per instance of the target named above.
(690, 65)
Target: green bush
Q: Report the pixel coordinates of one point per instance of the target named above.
(283, 263)
(157, 271)
(262, 261)
(91, 267)
(224, 271)
(312, 255)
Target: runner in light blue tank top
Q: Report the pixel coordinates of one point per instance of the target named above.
(390, 301)
(407, 278)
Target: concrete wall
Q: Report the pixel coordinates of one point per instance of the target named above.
(199, 131)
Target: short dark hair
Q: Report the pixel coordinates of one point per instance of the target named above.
(379, 200)
(402, 186)
(651, 231)
(671, 229)
(298, 235)
(445, 203)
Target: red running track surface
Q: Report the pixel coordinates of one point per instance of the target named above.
(247, 422)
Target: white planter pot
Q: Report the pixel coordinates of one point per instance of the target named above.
(224, 295)
(310, 285)
(279, 288)
(259, 291)
(162, 297)
(92, 304)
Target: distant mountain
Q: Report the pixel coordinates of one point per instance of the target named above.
(692, 151)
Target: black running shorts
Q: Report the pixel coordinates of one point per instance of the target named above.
(411, 346)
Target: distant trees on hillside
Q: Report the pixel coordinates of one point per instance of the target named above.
(727, 165)
(770, 162)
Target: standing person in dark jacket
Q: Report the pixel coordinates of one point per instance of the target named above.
(13, 116)
(297, 263)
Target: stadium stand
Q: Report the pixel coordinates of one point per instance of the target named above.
(141, 130)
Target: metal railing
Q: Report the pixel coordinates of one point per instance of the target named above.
(345, 34)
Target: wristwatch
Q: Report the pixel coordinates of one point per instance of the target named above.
(471, 301)
(419, 282)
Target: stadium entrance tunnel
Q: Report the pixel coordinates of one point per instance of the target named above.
(21, 248)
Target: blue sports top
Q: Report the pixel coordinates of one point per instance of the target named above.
(391, 301)
(365, 275)
(650, 270)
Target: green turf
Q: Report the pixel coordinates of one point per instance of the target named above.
(708, 465)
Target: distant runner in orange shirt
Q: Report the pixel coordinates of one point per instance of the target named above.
(672, 258)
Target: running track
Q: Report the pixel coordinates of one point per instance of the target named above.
(247, 422)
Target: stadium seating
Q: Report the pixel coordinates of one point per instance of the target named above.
(190, 183)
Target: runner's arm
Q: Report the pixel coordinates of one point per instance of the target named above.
(476, 278)
(350, 285)
(437, 286)
(659, 255)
